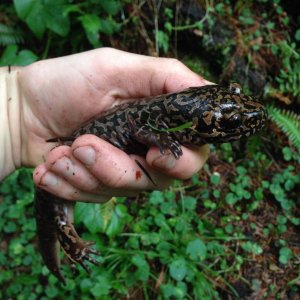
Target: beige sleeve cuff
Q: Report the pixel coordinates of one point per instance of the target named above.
(10, 131)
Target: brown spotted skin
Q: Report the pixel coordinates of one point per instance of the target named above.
(214, 114)
(218, 115)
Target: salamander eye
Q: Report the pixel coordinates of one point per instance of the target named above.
(233, 122)
(235, 88)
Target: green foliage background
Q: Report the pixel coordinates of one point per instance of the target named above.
(198, 239)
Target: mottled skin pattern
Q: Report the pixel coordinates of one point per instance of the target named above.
(195, 116)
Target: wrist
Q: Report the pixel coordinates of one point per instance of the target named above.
(10, 120)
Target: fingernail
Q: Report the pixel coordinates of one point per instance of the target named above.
(49, 179)
(64, 166)
(85, 154)
(166, 162)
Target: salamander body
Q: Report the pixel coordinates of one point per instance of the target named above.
(193, 117)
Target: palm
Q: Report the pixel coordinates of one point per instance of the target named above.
(66, 92)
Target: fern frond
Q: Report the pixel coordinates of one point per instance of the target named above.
(9, 35)
(288, 122)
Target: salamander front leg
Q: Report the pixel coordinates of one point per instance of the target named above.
(150, 137)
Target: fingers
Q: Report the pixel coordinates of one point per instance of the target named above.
(93, 170)
(189, 163)
(58, 186)
(110, 165)
(61, 161)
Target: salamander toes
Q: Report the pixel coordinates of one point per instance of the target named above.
(175, 148)
(82, 253)
(166, 142)
(77, 250)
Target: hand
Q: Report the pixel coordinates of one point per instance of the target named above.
(59, 95)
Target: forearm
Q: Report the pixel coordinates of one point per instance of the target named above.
(10, 120)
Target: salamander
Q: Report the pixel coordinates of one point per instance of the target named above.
(192, 117)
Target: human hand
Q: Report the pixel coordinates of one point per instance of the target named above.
(59, 95)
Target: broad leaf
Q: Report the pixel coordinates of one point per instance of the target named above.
(178, 269)
(118, 220)
(110, 6)
(12, 57)
(90, 215)
(92, 26)
(42, 14)
(196, 250)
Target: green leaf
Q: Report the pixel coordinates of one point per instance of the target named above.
(216, 193)
(118, 221)
(109, 26)
(25, 57)
(287, 153)
(25, 279)
(156, 197)
(164, 249)
(189, 203)
(168, 290)
(231, 198)
(51, 291)
(285, 254)
(160, 220)
(163, 42)
(196, 250)
(203, 288)
(42, 14)
(181, 225)
(270, 25)
(8, 55)
(178, 269)
(241, 170)
(252, 248)
(209, 204)
(143, 270)
(16, 247)
(23, 7)
(55, 19)
(168, 26)
(90, 215)
(110, 6)
(85, 285)
(91, 23)
(258, 194)
(168, 208)
(92, 26)
(215, 178)
(297, 35)
(102, 286)
(178, 292)
(12, 57)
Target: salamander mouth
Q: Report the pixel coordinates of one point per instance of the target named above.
(255, 120)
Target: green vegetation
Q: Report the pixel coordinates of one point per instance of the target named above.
(288, 121)
(230, 230)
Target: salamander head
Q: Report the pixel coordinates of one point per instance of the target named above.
(226, 114)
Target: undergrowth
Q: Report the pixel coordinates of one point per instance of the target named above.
(231, 231)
